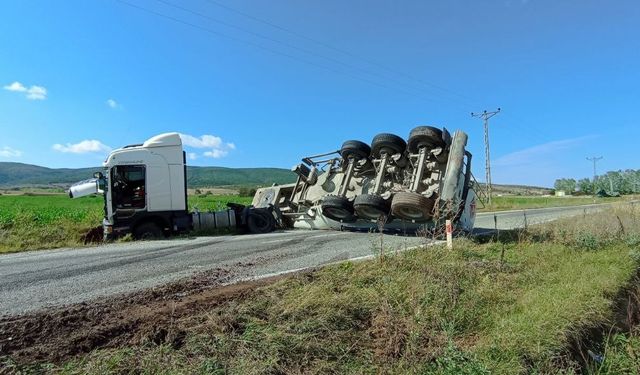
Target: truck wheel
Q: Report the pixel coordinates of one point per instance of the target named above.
(424, 136)
(148, 231)
(390, 143)
(338, 208)
(370, 206)
(260, 221)
(412, 206)
(356, 149)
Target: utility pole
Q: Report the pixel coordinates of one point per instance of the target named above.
(485, 116)
(594, 159)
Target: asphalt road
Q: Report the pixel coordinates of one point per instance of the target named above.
(34, 280)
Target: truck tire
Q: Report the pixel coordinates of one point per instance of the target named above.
(356, 149)
(389, 143)
(338, 208)
(370, 206)
(260, 221)
(425, 136)
(148, 231)
(412, 206)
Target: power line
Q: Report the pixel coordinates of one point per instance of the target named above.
(274, 40)
(485, 116)
(340, 50)
(256, 45)
(405, 89)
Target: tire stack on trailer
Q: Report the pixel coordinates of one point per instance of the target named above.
(339, 207)
(409, 180)
(384, 146)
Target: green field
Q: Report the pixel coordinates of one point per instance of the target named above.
(516, 202)
(523, 303)
(43, 221)
(29, 222)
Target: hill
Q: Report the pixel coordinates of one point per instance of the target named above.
(23, 175)
(499, 189)
(20, 175)
(219, 176)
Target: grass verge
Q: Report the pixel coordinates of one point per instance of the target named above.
(505, 306)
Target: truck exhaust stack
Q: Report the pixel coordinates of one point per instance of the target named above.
(84, 188)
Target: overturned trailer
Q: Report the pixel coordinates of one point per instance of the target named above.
(401, 185)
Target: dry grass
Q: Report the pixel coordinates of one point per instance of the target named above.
(504, 307)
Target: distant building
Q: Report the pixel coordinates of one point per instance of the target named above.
(560, 193)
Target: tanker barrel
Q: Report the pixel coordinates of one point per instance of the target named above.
(454, 167)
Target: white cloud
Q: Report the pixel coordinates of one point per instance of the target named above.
(37, 93)
(32, 93)
(192, 155)
(218, 148)
(534, 155)
(205, 141)
(16, 86)
(83, 147)
(541, 164)
(8, 152)
(216, 154)
(112, 103)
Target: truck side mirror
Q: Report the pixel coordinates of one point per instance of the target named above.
(98, 175)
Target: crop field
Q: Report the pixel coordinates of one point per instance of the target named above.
(515, 202)
(29, 222)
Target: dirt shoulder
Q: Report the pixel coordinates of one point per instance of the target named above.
(152, 315)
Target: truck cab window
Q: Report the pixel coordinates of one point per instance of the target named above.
(128, 183)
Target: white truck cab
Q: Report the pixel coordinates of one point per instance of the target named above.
(145, 189)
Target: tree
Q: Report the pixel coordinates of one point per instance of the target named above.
(566, 184)
(585, 186)
(247, 191)
(623, 182)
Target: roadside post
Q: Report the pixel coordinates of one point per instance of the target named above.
(449, 234)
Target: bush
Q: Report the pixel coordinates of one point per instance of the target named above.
(247, 192)
(587, 241)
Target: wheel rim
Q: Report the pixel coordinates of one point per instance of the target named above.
(369, 212)
(411, 213)
(336, 213)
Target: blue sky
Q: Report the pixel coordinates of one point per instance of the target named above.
(264, 83)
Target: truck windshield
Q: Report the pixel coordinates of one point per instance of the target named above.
(128, 184)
